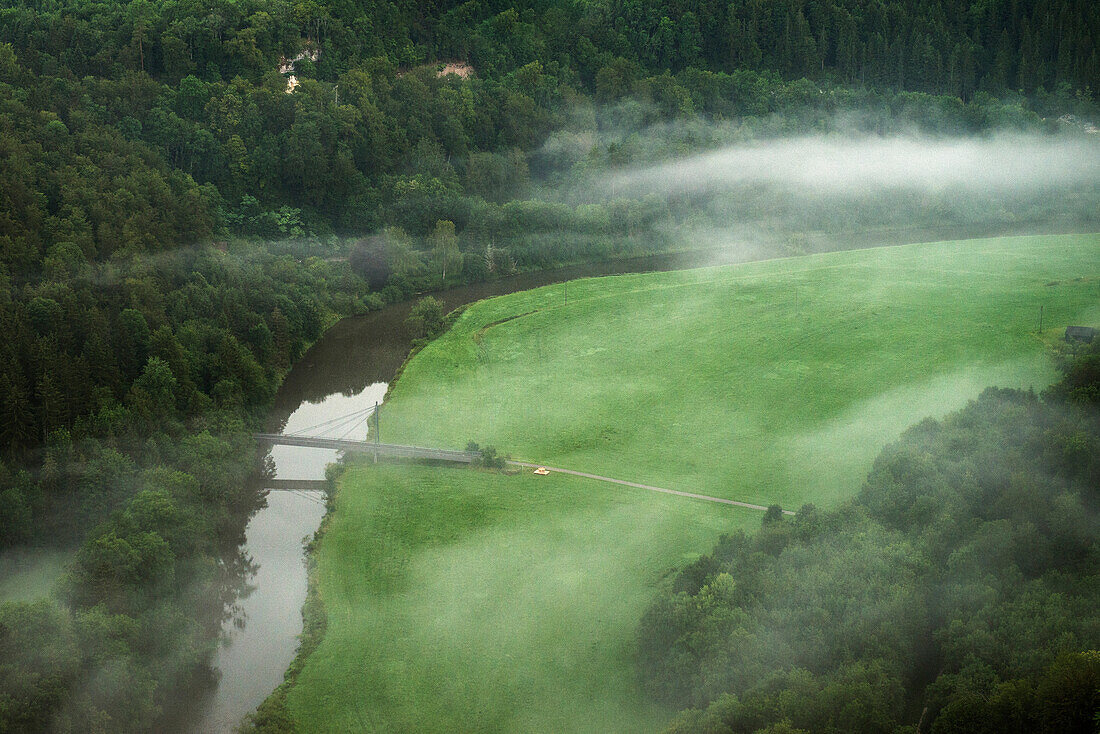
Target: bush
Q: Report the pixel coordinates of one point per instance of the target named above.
(426, 318)
(489, 458)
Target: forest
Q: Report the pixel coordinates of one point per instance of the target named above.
(955, 593)
(137, 127)
(176, 229)
(146, 380)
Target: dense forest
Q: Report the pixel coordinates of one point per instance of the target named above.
(955, 593)
(152, 153)
(134, 127)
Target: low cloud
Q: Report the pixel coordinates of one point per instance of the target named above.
(867, 165)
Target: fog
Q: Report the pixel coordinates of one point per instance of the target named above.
(846, 166)
(753, 192)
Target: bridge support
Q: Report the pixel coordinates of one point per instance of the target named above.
(377, 431)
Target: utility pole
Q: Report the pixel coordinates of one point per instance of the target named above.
(377, 431)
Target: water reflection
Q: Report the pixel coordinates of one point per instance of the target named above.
(260, 638)
(297, 462)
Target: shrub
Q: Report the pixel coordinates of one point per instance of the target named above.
(426, 317)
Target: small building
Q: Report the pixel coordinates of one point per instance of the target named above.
(1083, 334)
(288, 67)
(459, 68)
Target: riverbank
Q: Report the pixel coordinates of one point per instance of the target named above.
(271, 714)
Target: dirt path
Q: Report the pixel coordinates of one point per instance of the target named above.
(651, 488)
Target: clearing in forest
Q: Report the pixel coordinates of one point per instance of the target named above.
(461, 600)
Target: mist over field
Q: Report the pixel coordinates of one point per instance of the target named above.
(758, 191)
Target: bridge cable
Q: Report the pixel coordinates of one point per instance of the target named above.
(353, 422)
(336, 424)
(341, 419)
(337, 419)
(356, 426)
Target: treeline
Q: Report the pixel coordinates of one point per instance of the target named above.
(922, 45)
(119, 167)
(955, 593)
(95, 349)
(100, 171)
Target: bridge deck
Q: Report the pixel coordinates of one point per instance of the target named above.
(466, 457)
(368, 447)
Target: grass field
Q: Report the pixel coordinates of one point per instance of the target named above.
(460, 600)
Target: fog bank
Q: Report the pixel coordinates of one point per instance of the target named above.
(861, 165)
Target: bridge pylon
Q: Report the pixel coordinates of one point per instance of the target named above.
(377, 431)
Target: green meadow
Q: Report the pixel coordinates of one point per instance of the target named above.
(464, 600)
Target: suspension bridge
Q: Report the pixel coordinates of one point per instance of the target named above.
(324, 436)
(336, 433)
